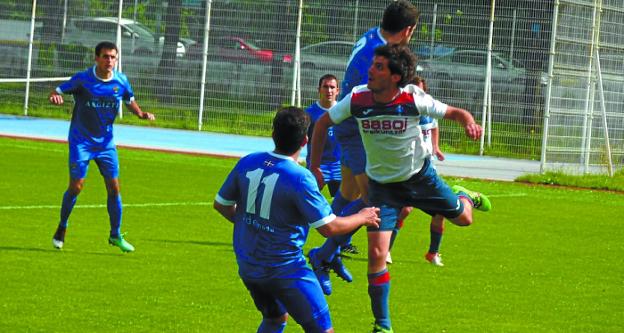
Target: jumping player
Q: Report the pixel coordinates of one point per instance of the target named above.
(397, 26)
(397, 161)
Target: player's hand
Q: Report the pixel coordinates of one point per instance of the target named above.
(438, 154)
(56, 99)
(319, 177)
(473, 131)
(370, 216)
(148, 116)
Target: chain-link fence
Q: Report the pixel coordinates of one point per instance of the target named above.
(225, 65)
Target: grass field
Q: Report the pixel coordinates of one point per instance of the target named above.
(544, 260)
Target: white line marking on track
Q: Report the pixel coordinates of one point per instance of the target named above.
(153, 204)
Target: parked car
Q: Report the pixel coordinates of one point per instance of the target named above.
(460, 75)
(239, 50)
(329, 56)
(135, 37)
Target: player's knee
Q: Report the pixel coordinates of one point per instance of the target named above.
(75, 188)
(463, 220)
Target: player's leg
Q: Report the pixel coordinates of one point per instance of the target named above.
(78, 167)
(108, 163)
(304, 301)
(436, 231)
(470, 200)
(274, 315)
(403, 214)
(378, 275)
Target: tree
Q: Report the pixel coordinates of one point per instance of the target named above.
(166, 67)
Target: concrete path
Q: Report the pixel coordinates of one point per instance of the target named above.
(483, 167)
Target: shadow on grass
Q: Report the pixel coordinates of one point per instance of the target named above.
(35, 249)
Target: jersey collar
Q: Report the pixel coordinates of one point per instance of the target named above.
(284, 157)
(101, 79)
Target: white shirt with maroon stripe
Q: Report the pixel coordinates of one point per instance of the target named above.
(392, 137)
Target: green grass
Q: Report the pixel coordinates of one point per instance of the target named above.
(591, 181)
(543, 260)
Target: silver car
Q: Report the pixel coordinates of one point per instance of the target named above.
(460, 76)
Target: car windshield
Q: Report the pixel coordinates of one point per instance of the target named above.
(141, 30)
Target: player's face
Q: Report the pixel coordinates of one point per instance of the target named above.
(106, 60)
(328, 91)
(380, 78)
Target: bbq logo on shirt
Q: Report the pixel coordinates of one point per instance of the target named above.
(384, 126)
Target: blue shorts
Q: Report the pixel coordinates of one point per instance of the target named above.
(353, 154)
(299, 294)
(425, 191)
(106, 159)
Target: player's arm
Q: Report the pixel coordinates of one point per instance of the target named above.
(55, 98)
(134, 107)
(435, 140)
(226, 211)
(472, 129)
(341, 225)
(319, 135)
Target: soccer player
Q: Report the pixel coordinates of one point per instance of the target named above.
(97, 93)
(397, 26)
(430, 131)
(397, 162)
(330, 161)
(272, 202)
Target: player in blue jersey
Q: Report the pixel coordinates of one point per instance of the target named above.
(330, 161)
(272, 202)
(397, 26)
(431, 134)
(97, 93)
(397, 161)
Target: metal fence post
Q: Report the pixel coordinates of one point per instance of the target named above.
(202, 92)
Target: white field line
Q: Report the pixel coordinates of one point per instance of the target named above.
(153, 204)
(510, 195)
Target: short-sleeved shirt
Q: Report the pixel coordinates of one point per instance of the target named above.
(331, 151)
(390, 132)
(96, 106)
(277, 201)
(356, 74)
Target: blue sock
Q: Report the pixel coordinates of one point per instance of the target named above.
(268, 326)
(331, 247)
(114, 213)
(379, 292)
(339, 203)
(395, 232)
(69, 201)
(436, 240)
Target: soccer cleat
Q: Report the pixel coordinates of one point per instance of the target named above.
(479, 200)
(121, 243)
(349, 249)
(59, 238)
(378, 329)
(434, 258)
(388, 259)
(321, 271)
(340, 269)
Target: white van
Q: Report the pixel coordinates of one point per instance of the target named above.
(135, 37)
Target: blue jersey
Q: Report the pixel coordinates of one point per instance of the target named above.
(96, 105)
(277, 201)
(331, 151)
(356, 74)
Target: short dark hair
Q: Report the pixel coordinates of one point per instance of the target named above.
(327, 77)
(290, 127)
(401, 61)
(399, 15)
(417, 80)
(105, 45)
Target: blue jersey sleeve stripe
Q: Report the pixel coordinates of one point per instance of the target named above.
(58, 90)
(223, 201)
(323, 221)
